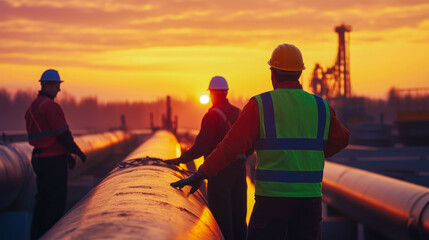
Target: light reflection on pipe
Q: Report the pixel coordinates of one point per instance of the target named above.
(17, 178)
(391, 207)
(250, 198)
(135, 201)
(199, 228)
(199, 162)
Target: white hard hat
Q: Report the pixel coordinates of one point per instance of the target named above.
(218, 83)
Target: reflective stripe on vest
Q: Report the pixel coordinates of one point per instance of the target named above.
(294, 126)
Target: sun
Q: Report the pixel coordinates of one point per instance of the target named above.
(204, 99)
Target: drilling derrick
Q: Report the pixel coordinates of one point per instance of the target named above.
(334, 82)
(343, 60)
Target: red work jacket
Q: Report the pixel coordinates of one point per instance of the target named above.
(244, 132)
(45, 120)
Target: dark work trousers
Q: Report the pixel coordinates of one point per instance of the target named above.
(227, 195)
(292, 218)
(51, 173)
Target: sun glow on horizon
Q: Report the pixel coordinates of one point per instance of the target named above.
(204, 99)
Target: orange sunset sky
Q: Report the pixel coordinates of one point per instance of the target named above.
(142, 50)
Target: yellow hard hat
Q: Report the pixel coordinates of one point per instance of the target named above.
(287, 57)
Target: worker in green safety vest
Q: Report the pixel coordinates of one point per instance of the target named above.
(293, 132)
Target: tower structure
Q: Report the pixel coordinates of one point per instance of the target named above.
(343, 60)
(334, 82)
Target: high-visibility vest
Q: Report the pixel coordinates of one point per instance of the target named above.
(294, 127)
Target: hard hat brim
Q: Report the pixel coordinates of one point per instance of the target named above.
(50, 81)
(276, 67)
(217, 89)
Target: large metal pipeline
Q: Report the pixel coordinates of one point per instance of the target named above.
(390, 207)
(17, 179)
(135, 201)
(16, 173)
(98, 147)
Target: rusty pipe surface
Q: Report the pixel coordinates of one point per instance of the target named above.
(393, 208)
(135, 201)
(17, 179)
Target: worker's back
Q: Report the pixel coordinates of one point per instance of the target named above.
(290, 159)
(225, 114)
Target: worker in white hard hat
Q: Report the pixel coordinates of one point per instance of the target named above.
(227, 192)
(49, 134)
(292, 131)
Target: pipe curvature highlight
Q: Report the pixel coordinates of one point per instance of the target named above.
(135, 201)
(393, 208)
(17, 179)
(16, 173)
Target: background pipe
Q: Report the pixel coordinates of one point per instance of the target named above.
(16, 172)
(17, 179)
(392, 208)
(135, 201)
(98, 148)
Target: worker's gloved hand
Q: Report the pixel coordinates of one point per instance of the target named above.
(195, 180)
(82, 156)
(174, 161)
(71, 162)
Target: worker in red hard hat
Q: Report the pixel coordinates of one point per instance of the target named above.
(292, 131)
(49, 134)
(227, 192)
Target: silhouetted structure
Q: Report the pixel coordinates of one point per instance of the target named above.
(167, 122)
(335, 81)
(3, 137)
(412, 114)
(123, 123)
(152, 125)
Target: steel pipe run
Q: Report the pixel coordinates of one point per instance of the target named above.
(16, 173)
(135, 201)
(390, 207)
(98, 147)
(17, 179)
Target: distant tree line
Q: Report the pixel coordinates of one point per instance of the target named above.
(92, 115)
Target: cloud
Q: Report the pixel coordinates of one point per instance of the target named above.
(80, 26)
(46, 61)
(103, 4)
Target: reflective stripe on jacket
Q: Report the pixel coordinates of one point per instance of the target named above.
(294, 126)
